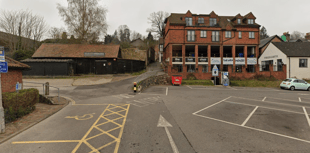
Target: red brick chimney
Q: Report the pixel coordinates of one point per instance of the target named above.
(307, 36)
(288, 36)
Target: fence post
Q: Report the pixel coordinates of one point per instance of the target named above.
(47, 88)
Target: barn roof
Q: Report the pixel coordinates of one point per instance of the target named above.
(76, 51)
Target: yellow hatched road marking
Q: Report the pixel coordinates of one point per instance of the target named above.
(85, 141)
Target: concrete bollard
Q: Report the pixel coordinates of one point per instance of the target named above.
(135, 87)
(47, 88)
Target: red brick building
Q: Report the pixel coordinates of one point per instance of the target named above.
(14, 75)
(194, 43)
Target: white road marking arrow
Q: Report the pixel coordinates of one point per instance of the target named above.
(162, 122)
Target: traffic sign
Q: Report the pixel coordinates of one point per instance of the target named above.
(3, 67)
(18, 86)
(215, 71)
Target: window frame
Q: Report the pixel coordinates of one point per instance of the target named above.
(213, 22)
(203, 33)
(251, 33)
(227, 34)
(191, 66)
(205, 69)
(215, 36)
(250, 21)
(189, 35)
(305, 63)
(201, 20)
(189, 22)
(239, 21)
(179, 67)
(240, 34)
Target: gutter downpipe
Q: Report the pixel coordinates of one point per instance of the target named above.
(289, 71)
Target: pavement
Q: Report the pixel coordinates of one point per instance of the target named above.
(171, 119)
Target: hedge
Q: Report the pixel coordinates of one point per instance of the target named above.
(19, 104)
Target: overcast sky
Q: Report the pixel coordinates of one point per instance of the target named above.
(277, 16)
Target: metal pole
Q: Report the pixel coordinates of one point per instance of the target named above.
(58, 95)
(43, 89)
(2, 121)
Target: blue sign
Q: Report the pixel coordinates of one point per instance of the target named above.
(3, 67)
(16, 87)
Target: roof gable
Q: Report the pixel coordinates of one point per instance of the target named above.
(250, 16)
(265, 41)
(76, 51)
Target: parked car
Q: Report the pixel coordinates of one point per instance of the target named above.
(292, 84)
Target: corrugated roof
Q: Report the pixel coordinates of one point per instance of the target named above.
(75, 51)
(15, 64)
(48, 60)
(292, 49)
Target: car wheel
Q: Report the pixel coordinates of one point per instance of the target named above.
(292, 88)
(309, 89)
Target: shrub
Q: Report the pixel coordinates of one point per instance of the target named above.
(19, 104)
(22, 54)
(191, 76)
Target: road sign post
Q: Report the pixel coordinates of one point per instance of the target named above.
(3, 69)
(215, 73)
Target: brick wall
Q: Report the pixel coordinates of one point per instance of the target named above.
(9, 80)
(280, 75)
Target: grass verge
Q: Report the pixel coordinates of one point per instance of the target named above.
(255, 83)
(138, 73)
(197, 82)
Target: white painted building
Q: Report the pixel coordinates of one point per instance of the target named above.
(295, 55)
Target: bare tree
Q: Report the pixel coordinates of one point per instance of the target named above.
(263, 33)
(19, 25)
(84, 18)
(157, 20)
(124, 33)
(135, 35)
(55, 33)
(297, 35)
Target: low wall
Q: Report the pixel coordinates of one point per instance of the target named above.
(280, 75)
(164, 79)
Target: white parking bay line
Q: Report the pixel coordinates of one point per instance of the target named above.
(264, 99)
(189, 87)
(299, 99)
(247, 119)
(277, 134)
(211, 105)
(307, 116)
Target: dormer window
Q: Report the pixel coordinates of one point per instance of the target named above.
(201, 20)
(239, 21)
(189, 21)
(212, 21)
(250, 21)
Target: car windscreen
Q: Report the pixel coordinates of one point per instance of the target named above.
(287, 80)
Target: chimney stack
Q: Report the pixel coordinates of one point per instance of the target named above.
(308, 36)
(288, 36)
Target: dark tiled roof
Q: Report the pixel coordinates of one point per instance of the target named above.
(15, 64)
(293, 49)
(265, 41)
(75, 51)
(175, 18)
(48, 60)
